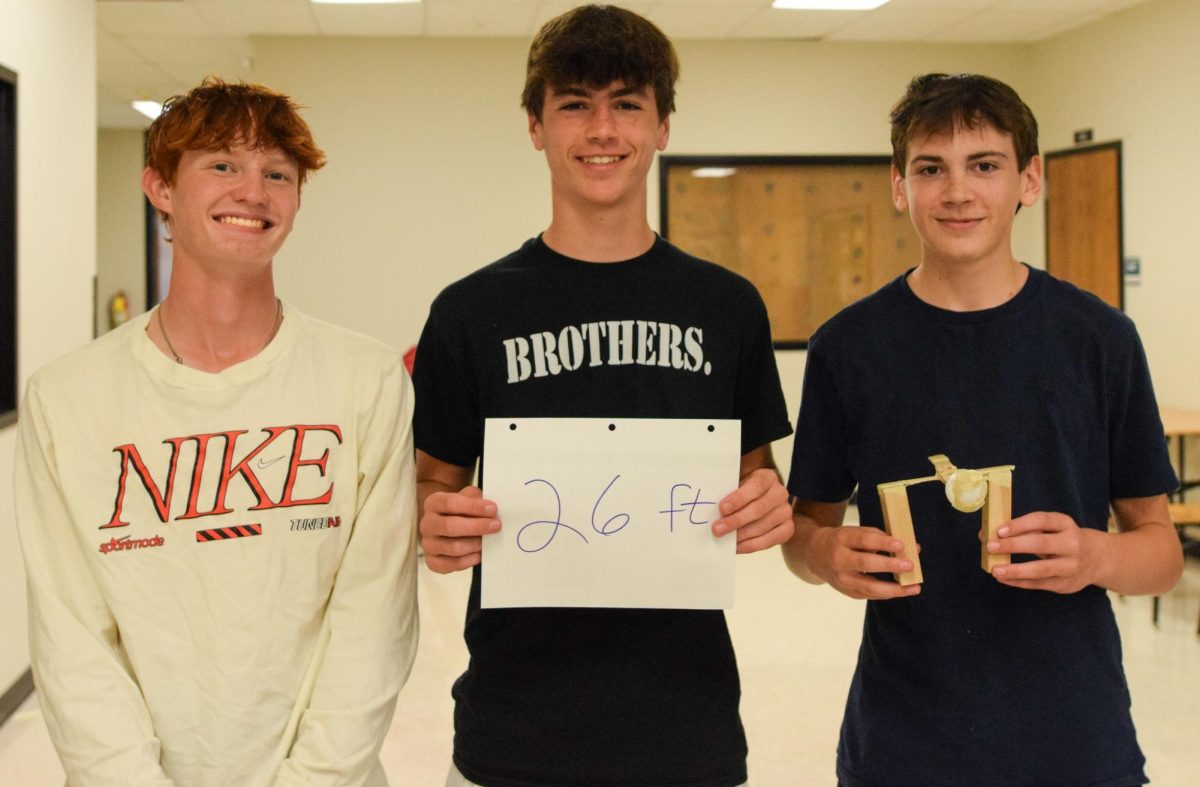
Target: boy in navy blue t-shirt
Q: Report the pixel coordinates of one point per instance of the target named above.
(1011, 678)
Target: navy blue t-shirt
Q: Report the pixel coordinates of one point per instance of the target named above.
(971, 681)
(557, 696)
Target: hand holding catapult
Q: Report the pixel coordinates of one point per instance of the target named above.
(967, 490)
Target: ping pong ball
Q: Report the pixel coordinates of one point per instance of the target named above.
(966, 490)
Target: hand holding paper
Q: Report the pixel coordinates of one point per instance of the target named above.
(452, 524)
(758, 509)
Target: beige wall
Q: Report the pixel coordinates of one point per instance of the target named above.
(1133, 77)
(121, 224)
(431, 173)
(51, 46)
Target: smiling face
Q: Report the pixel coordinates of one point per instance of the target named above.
(230, 210)
(599, 144)
(961, 190)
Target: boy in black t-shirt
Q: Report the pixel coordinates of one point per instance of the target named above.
(595, 317)
(1012, 678)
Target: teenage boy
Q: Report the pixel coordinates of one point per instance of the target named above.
(1012, 678)
(595, 696)
(216, 501)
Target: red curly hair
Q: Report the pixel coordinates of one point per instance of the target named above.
(218, 115)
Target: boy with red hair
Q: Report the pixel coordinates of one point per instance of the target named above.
(216, 500)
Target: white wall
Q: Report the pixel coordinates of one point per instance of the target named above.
(121, 234)
(51, 46)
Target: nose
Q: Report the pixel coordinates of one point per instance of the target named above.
(251, 187)
(602, 126)
(957, 190)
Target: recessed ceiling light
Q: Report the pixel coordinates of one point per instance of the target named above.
(828, 5)
(151, 109)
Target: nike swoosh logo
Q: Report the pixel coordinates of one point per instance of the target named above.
(263, 464)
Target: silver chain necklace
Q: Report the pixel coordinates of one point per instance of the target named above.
(163, 328)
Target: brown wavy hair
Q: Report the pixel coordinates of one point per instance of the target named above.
(942, 103)
(596, 45)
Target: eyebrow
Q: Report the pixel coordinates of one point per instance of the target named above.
(927, 158)
(276, 160)
(582, 92)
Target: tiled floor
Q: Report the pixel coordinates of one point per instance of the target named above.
(796, 646)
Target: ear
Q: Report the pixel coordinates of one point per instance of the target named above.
(1031, 181)
(664, 133)
(899, 197)
(156, 189)
(535, 131)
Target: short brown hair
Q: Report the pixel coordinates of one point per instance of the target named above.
(942, 103)
(596, 45)
(218, 115)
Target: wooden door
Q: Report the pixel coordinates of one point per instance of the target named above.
(1084, 244)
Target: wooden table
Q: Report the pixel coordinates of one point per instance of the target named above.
(1179, 424)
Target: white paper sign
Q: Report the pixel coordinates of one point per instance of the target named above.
(603, 512)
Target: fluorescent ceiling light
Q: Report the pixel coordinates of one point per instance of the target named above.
(713, 172)
(828, 5)
(151, 109)
(364, 2)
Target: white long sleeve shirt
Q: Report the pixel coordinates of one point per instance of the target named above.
(221, 567)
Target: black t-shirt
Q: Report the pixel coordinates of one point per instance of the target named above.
(596, 696)
(973, 682)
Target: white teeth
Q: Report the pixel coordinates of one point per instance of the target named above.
(255, 223)
(600, 159)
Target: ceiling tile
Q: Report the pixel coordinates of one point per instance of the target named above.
(702, 20)
(549, 9)
(884, 24)
(944, 5)
(999, 26)
(1076, 20)
(1056, 6)
(128, 82)
(130, 18)
(259, 17)
(726, 3)
(110, 49)
(370, 20)
(777, 23)
(167, 49)
(480, 18)
(168, 46)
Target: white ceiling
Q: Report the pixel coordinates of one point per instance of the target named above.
(156, 48)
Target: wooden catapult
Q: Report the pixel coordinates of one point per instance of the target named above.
(967, 490)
